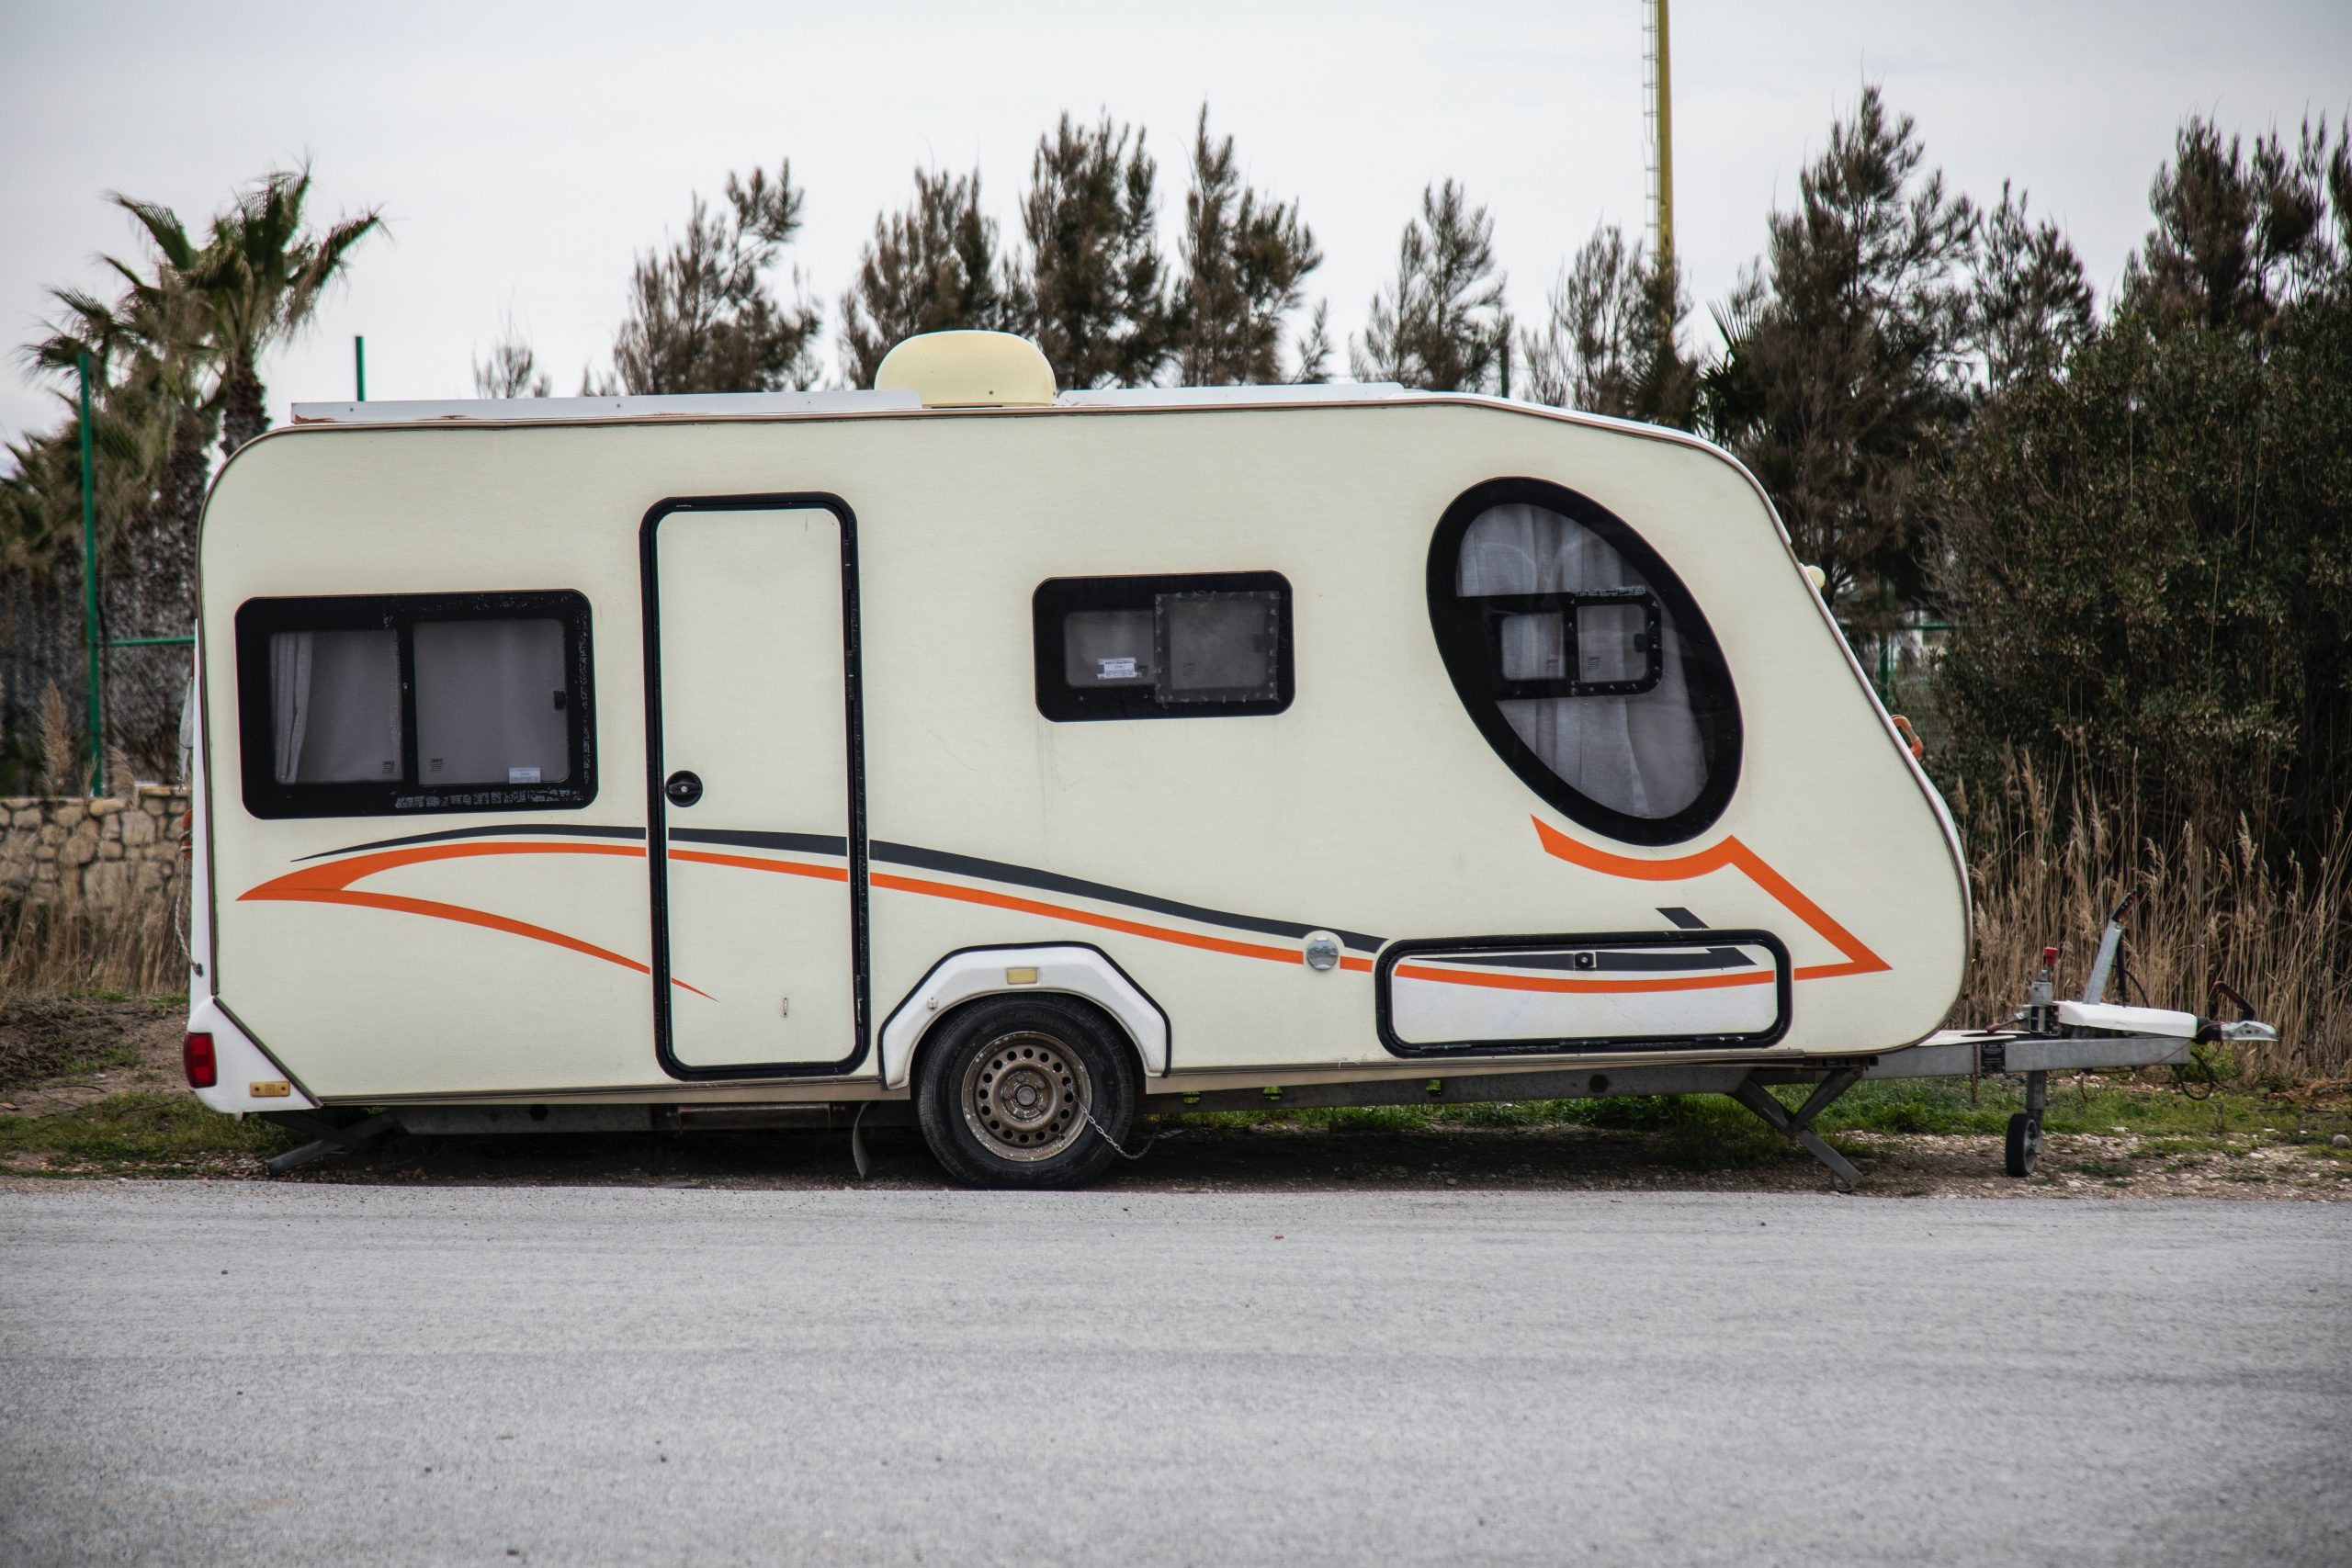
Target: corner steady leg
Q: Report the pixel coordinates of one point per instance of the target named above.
(358, 1134)
(1797, 1125)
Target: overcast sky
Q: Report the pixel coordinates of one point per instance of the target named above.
(522, 153)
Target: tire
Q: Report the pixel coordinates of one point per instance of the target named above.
(1006, 1086)
(2024, 1145)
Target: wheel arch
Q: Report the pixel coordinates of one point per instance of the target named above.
(973, 975)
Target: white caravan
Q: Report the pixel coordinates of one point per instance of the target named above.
(1043, 761)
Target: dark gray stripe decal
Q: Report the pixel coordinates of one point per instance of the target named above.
(1053, 882)
(1683, 918)
(568, 830)
(906, 855)
(793, 843)
(1608, 961)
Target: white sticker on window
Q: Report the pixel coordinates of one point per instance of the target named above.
(521, 775)
(1115, 668)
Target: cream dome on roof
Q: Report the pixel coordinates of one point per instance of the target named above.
(968, 369)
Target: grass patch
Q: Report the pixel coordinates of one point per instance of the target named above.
(160, 1133)
(1714, 1133)
(2102, 1107)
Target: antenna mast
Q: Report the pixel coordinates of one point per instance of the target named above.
(1659, 111)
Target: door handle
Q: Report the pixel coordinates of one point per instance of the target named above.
(682, 788)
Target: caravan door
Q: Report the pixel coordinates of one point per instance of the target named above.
(754, 838)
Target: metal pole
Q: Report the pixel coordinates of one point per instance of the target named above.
(1665, 159)
(359, 366)
(98, 711)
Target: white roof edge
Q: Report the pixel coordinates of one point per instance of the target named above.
(1214, 396)
(505, 410)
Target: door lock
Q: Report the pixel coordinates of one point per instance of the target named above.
(684, 788)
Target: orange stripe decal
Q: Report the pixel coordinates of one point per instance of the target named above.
(1859, 959)
(332, 885)
(897, 883)
(747, 863)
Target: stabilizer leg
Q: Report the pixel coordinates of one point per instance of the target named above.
(331, 1138)
(1796, 1125)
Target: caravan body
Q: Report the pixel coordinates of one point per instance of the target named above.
(726, 749)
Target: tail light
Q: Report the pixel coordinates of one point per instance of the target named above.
(195, 1054)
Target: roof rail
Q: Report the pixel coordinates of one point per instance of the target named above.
(697, 405)
(721, 405)
(1212, 397)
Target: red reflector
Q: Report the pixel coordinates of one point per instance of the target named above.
(195, 1054)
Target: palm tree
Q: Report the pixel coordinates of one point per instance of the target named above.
(256, 282)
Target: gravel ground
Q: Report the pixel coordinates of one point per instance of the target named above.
(231, 1374)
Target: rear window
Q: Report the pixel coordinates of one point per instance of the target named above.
(1583, 661)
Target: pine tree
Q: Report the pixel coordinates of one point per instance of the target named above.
(1245, 258)
(702, 316)
(1440, 325)
(1607, 346)
(930, 268)
(2031, 305)
(1843, 376)
(512, 370)
(1093, 292)
(2240, 239)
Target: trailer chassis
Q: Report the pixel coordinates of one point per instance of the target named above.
(1973, 1055)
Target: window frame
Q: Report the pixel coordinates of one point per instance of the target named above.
(1496, 608)
(1059, 597)
(260, 619)
(1467, 647)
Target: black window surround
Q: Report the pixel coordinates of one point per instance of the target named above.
(258, 620)
(1151, 694)
(1467, 635)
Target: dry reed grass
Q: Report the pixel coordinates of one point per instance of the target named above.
(2047, 867)
(68, 946)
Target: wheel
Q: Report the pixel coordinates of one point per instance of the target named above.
(2024, 1145)
(1021, 1091)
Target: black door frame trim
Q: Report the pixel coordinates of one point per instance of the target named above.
(657, 860)
(1385, 968)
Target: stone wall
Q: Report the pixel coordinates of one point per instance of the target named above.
(107, 852)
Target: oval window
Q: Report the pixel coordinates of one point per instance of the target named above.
(1583, 661)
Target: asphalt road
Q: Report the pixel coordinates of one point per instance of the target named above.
(244, 1373)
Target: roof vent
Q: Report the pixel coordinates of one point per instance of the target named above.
(967, 369)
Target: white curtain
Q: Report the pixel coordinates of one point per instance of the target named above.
(335, 706)
(1640, 755)
(290, 698)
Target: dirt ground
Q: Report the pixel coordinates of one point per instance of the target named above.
(60, 1055)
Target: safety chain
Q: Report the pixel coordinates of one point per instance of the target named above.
(1115, 1149)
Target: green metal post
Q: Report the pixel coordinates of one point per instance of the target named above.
(359, 366)
(97, 709)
